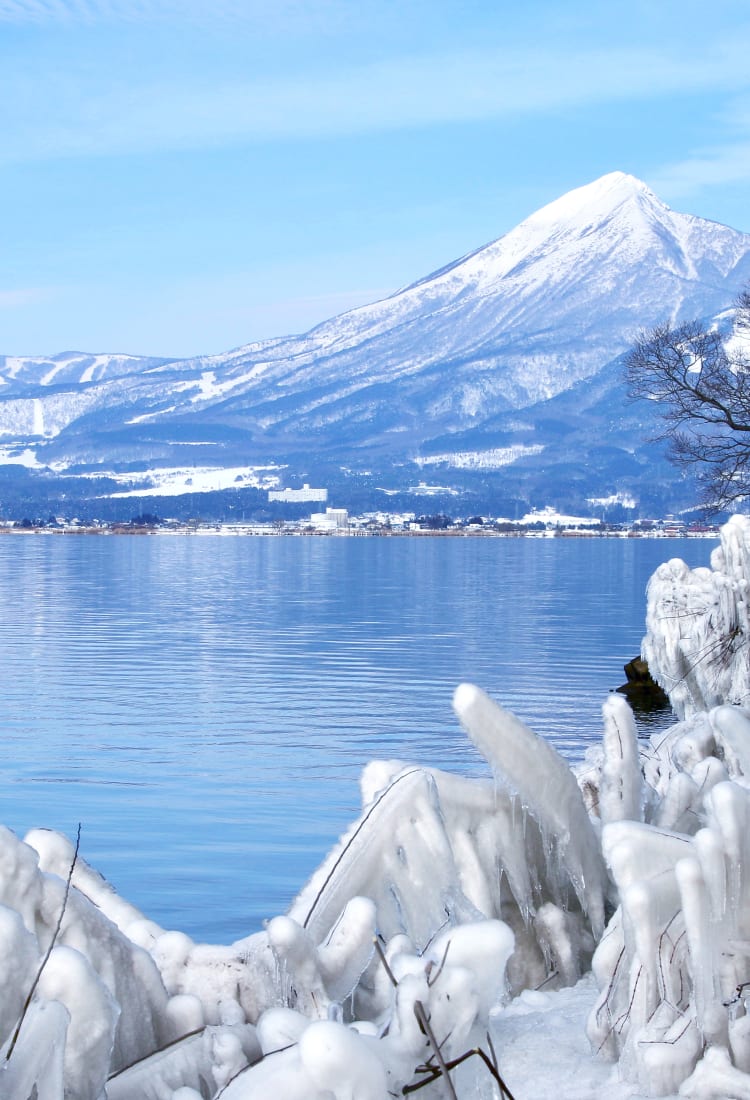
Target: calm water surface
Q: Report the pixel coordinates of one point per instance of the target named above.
(204, 705)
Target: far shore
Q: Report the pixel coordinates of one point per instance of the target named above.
(292, 530)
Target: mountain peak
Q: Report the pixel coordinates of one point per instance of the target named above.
(596, 200)
(615, 208)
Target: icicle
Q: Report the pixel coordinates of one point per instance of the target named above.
(708, 849)
(348, 948)
(695, 908)
(620, 791)
(665, 1062)
(546, 785)
(732, 725)
(677, 807)
(36, 1066)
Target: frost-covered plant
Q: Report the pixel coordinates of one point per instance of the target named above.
(698, 631)
(434, 849)
(674, 961)
(472, 889)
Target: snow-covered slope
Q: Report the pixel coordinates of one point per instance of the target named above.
(69, 368)
(507, 327)
(592, 267)
(514, 322)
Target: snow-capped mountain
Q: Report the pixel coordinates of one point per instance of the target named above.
(464, 370)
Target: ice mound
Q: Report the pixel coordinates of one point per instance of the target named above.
(395, 968)
(697, 626)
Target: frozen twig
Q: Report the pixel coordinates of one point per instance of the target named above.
(434, 1072)
(424, 1023)
(381, 955)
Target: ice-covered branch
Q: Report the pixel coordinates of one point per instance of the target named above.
(529, 766)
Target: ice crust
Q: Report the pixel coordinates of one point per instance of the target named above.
(454, 915)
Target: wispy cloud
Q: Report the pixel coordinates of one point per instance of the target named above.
(711, 167)
(52, 11)
(90, 111)
(255, 12)
(23, 296)
(55, 11)
(725, 163)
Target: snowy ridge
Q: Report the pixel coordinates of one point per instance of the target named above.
(72, 367)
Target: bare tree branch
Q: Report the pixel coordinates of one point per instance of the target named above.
(701, 382)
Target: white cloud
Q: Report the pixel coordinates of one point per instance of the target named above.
(91, 111)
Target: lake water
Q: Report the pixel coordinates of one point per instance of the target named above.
(204, 705)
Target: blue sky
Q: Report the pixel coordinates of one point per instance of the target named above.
(179, 177)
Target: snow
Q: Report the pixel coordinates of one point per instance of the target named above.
(422, 489)
(210, 388)
(625, 500)
(16, 456)
(493, 459)
(549, 515)
(177, 481)
(588, 932)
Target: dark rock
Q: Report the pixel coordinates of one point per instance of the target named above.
(641, 690)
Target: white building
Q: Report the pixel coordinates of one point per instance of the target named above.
(333, 519)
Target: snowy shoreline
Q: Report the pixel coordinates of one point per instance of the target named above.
(589, 929)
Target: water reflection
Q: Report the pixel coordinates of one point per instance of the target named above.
(204, 706)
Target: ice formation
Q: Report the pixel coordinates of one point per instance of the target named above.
(698, 630)
(447, 898)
